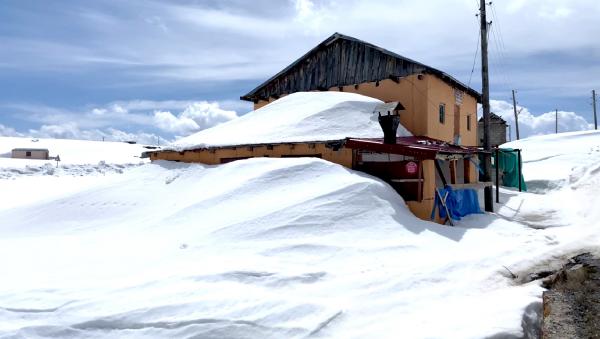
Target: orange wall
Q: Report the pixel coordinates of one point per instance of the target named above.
(342, 156)
(421, 96)
(439, 92)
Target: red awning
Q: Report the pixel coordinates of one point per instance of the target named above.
(418, 147)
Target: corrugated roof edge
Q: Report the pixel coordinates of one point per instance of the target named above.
(442, 75)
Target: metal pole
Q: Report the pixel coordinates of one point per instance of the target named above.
(516, 114)
(497, 163)
(519, 167)
(485, 100)
(594, 103)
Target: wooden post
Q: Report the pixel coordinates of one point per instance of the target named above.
(519, 168)
(420, 187)
(556, 121)
(497, 163)
(467, 170)
(594, 103)
(440, 173)
(516, 114)
(453, 171)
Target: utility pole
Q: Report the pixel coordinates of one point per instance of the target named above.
(485, 99)
(556, 121)
(594, 104)
(516, 114)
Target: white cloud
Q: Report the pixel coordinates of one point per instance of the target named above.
(73, 131)
(6, 131)
(196, 116)
(530, 124)
(95, 122)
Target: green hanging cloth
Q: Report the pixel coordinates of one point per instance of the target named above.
(508, 165)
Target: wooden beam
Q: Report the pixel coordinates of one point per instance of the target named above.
(440, 172)
(453, 171)
(475, 185)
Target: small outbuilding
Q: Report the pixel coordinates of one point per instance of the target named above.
(498, 128)
(31, 153)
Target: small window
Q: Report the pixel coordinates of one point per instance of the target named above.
(469, 122)
(27, 154)
(442, 113)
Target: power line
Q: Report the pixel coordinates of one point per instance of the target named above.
(501, 46)
(474, 59)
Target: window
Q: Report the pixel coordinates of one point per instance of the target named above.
(27, 153)
(442, 113)
(468, 122)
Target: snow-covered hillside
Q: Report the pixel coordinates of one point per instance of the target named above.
(71, 152)
(549, 159)
(272, 248)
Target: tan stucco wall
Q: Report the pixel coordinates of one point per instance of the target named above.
(439, 92)
(421, 96)
(410, 91)
(342, 156)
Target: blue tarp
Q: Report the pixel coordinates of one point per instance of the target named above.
(460, 203)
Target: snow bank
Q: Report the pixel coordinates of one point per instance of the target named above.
(259, 248)
(304, 116)
(279, 248)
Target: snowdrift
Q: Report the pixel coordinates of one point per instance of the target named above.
(303, 116)
(259, 248)
(280, 248)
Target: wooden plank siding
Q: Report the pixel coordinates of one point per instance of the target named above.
(341, 61)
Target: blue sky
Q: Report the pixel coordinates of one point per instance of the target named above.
(141, 69)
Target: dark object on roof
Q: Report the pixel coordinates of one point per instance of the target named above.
(389, 124)
(494, 118)
(341, 60)
(419, 147)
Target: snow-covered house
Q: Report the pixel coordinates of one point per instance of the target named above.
(437, 105)
(344, 128)
(327, 104)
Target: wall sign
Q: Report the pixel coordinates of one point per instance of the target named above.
(411, 167)
(458, 96)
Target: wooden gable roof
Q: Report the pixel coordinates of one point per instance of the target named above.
(341, 60)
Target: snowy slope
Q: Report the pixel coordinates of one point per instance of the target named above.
(274, 248)
(303, 116)
(82, 162)
(71, 152)
(551, 158)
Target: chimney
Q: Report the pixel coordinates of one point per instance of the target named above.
(389, 124)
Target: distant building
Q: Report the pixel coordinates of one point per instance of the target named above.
(497, 131)
(31, 153)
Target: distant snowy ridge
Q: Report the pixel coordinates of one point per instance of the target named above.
(298, 117)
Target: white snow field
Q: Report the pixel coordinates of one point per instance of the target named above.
(302, 116)
(277, 248)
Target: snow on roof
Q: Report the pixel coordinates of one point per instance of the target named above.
(298, 117)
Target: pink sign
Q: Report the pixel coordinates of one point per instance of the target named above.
(411, 167)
